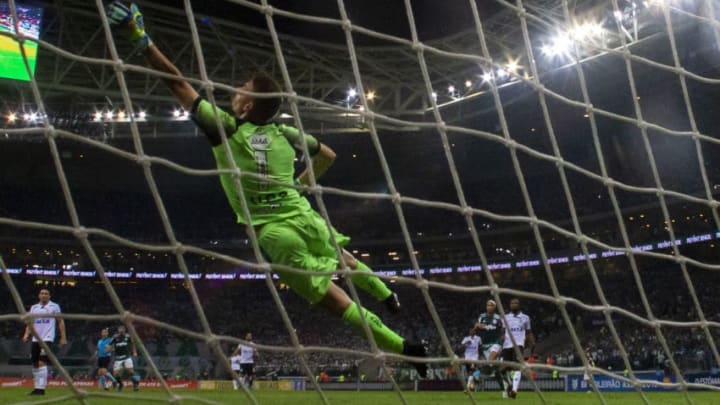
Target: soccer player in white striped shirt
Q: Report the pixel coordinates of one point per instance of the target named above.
(44, 328)
(517, 324)
(247, 361)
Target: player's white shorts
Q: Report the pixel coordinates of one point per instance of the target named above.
(471, 365)
(492, 349)
(123, 364)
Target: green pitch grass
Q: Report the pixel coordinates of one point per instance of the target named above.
(16, 396)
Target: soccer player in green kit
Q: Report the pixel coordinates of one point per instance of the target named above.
(289, 231)
(491, 333)
(123, 348)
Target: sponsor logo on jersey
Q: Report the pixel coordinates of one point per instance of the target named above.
(259, 141)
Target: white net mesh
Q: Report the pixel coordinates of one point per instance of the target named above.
(546, 29)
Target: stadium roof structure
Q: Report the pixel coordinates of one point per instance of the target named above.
(235, 41)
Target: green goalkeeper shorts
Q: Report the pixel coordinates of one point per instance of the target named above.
(302, 242)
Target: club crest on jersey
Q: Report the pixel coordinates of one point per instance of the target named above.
(259, 141)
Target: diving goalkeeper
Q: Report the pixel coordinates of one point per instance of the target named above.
(289, 231)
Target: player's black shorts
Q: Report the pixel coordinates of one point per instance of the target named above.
(247, 368)
(104, 362)
(38, 354)
(509, 354)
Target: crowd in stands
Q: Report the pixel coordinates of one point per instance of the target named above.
(234, 308)
(440, 237)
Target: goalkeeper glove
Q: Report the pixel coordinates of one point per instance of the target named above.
(129, 22)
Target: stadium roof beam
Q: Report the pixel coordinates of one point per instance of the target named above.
(319, 70)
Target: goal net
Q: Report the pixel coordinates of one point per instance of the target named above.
(559, 152)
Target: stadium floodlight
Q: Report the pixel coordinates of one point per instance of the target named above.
(502, 73)
(370, 95)
(121, 115)
(468, 83)
(142, 115)
(97, 116)
(451, 89)
(26, 117)
(560, 45)
(176, 113)
(12, 117)
(352, 93)
(486, 77)
(109, 115)
(512, 67)
(434, 96)
(186, 114)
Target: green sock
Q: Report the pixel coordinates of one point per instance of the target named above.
(372, 285)
(385, 337)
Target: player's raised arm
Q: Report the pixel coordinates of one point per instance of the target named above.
(129, 22)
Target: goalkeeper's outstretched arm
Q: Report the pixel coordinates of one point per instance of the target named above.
(182, 90)
(128, 20)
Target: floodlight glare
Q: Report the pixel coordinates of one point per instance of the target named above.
(586, 31)
(560, 45)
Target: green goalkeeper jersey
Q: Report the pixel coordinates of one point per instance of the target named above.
(493, 329)
(268, 152)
